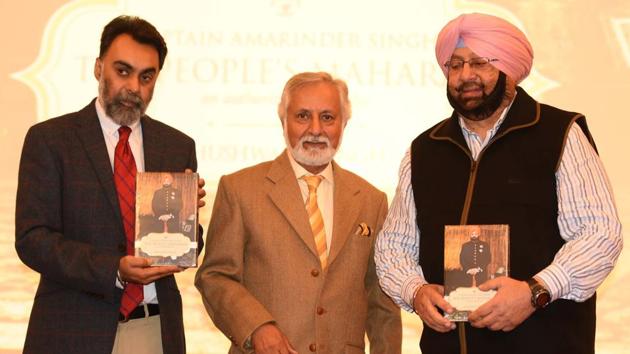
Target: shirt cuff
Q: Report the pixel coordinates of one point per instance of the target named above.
(119, 282)
(557, 281)
(409, 289)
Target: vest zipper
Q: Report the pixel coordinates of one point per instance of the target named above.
(463, 345)
(469, 190)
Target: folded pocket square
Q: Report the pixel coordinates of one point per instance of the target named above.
(363, 230)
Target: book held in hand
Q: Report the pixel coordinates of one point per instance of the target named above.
(166, 218)
(473, 254)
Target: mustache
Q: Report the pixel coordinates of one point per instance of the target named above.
(129, 98)
(309, 138)
(469, 85)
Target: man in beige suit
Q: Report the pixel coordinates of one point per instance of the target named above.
(274, 279)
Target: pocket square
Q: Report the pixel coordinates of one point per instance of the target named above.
(363, 230)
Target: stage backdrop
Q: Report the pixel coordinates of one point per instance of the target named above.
(228, 61)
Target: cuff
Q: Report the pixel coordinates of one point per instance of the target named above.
(408, 291)
(557, 281)
(119, 282)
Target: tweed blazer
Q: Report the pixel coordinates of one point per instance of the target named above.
(69, 229)
(261, 264)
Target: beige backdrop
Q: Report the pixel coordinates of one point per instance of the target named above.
(226, 66)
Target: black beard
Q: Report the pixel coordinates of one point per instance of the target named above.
(120, 113)
(489, 103)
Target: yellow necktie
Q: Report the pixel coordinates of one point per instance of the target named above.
(315, 218)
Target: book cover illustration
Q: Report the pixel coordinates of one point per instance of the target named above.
(472, 255)
(166, 218)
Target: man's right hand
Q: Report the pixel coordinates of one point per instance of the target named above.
(267, 339)
(138, 270)
(428, 298)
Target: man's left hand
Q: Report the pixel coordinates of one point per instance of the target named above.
(509, 307)
(200, 191)
(138, 270)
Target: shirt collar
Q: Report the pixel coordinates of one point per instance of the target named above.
(300, 171)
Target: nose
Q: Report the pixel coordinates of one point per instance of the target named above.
(467, 72)
(133, 84)
(316, 126)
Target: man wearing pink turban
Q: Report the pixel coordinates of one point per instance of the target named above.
(501, 158)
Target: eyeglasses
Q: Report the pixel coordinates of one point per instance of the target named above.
(477, 64)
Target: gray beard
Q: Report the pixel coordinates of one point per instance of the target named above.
(122, 115)
(116, 110)
(312, 157)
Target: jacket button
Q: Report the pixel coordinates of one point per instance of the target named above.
(314, 272)
(312, 347)
(122, 247)
(320, 310)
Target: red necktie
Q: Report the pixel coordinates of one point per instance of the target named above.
(125, 180)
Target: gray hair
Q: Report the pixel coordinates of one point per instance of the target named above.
(305, 78)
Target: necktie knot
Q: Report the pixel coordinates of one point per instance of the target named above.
(124, 132)
(312, 182)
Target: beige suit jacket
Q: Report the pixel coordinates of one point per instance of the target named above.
(261, 264)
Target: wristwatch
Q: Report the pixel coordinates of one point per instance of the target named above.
(540, 295)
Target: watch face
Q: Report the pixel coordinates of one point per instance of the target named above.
(542, 299)
(540, 295)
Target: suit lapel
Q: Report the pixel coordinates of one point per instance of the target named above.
(152, 145)
(91, 136)
(346, 211)
(285, 194)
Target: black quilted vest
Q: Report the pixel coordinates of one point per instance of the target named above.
(512, 182)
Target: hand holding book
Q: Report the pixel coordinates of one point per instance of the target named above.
(507, 309)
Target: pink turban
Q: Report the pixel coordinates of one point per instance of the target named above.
(487, 36)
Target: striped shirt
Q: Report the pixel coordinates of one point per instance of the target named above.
(587, 219)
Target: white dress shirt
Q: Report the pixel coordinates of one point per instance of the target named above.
(110, 133)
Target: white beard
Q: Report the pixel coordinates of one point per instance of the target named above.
(313, 156)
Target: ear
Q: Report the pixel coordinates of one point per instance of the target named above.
(281, 113)
(98, 67)
(510, 87)
(282, 122)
